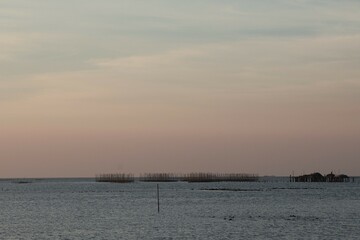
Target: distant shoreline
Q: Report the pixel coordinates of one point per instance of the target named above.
(261, 178)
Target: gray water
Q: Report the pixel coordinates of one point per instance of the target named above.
(84, 209)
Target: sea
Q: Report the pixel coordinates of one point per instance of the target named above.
(273, 208)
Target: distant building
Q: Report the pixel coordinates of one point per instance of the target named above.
(317, 177)
(330, 177)
(341, 178)
(314, 177)
(337, 178)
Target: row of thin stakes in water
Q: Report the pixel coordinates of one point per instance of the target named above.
(173, 177)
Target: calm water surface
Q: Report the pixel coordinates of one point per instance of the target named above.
(84, 209)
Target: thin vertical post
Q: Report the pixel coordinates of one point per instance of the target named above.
(158, 197)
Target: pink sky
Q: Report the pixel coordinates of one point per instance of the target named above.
(219, 86)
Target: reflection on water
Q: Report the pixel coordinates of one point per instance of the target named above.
(84, 209)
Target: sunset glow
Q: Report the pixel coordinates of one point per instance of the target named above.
(266, 87)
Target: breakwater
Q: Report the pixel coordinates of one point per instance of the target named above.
(115, 177)
(220, 177)
(173, 177)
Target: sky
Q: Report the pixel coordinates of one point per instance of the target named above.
(265, 87)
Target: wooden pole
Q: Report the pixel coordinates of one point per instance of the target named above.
(158, 198)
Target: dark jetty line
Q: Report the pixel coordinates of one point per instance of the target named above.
(252, 190)
(172, 177)
(159, 177)
(220, 177)
(23, 182)
(115, 178)
(232, 189)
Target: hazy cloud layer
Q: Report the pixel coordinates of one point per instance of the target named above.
(248, 86)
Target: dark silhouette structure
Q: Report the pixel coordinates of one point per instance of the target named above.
(318, 177)
(115, 178)
(172, 177)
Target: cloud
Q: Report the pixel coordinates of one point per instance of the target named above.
(248, 66)
(145, 61)
(10, 44)
(265, 62)
(15, 45)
